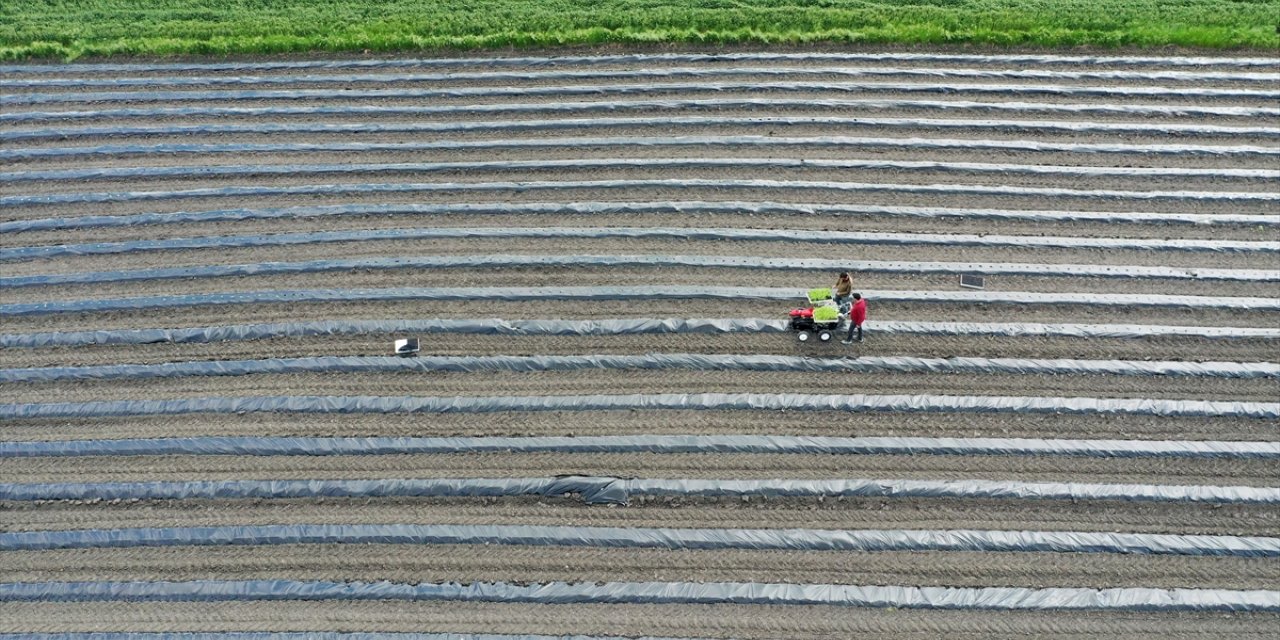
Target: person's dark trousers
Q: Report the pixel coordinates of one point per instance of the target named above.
(853, 328)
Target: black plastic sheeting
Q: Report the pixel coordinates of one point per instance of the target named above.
(969, 124)
(735, 444)
(643, 402)
(670, 104)
(647, 58)
(582, 164)
(870, 540)
(692, 207)
(604, 490)
(861, 238)
(512, 294)
(636, 88)
(989, 598)
(652, 361)
(660, 183)
(185, 80)
(483, 261)
(621, 326)
(645, 142)
(589, 489)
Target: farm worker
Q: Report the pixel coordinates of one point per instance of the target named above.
(843, 288)
(857, 316)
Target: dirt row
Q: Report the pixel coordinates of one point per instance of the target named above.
(328, 196)
(711, 422)
(545, 108)
(569, 149)
(816, 222)
(751, 622)
(673, 275)
(231, 314)
(490, 563)
(640, 381)
(669, 512)
(813, 247)
(796, 87)
(994, 124)
(717, 466)
(1163, 348)
(663, 129)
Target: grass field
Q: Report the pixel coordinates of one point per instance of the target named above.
(77, 28)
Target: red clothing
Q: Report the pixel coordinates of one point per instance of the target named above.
(858, 314)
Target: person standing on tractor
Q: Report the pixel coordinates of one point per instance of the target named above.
(857, 315)
(842, 290)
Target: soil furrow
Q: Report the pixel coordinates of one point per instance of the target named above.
(1172, 471)
(610, 276)
(771, 513)
(712, 422)
(639, 381)
(208, 315)
(1162, 348)
(719, 621)
(328, 196)
(816, 247)
(489, 563)
(817, 222)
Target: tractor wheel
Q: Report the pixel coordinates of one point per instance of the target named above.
(825, 336)
(803, 336)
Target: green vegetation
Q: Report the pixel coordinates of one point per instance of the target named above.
(71, 29)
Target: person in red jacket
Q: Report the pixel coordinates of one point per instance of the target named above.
(857, 315)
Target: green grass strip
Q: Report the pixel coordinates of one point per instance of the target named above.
(70, 29)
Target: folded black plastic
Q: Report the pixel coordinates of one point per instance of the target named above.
(738, 444)
(654, 183)
(668, 401)
(862, 238)
(652, 361)
(637, 88)
(993, 598)
(601, 490)
(510, 294)
(864, 540)
(619, 326)
(1024, 146)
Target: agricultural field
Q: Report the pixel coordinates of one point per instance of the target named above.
(611, 431)
(71, 29)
